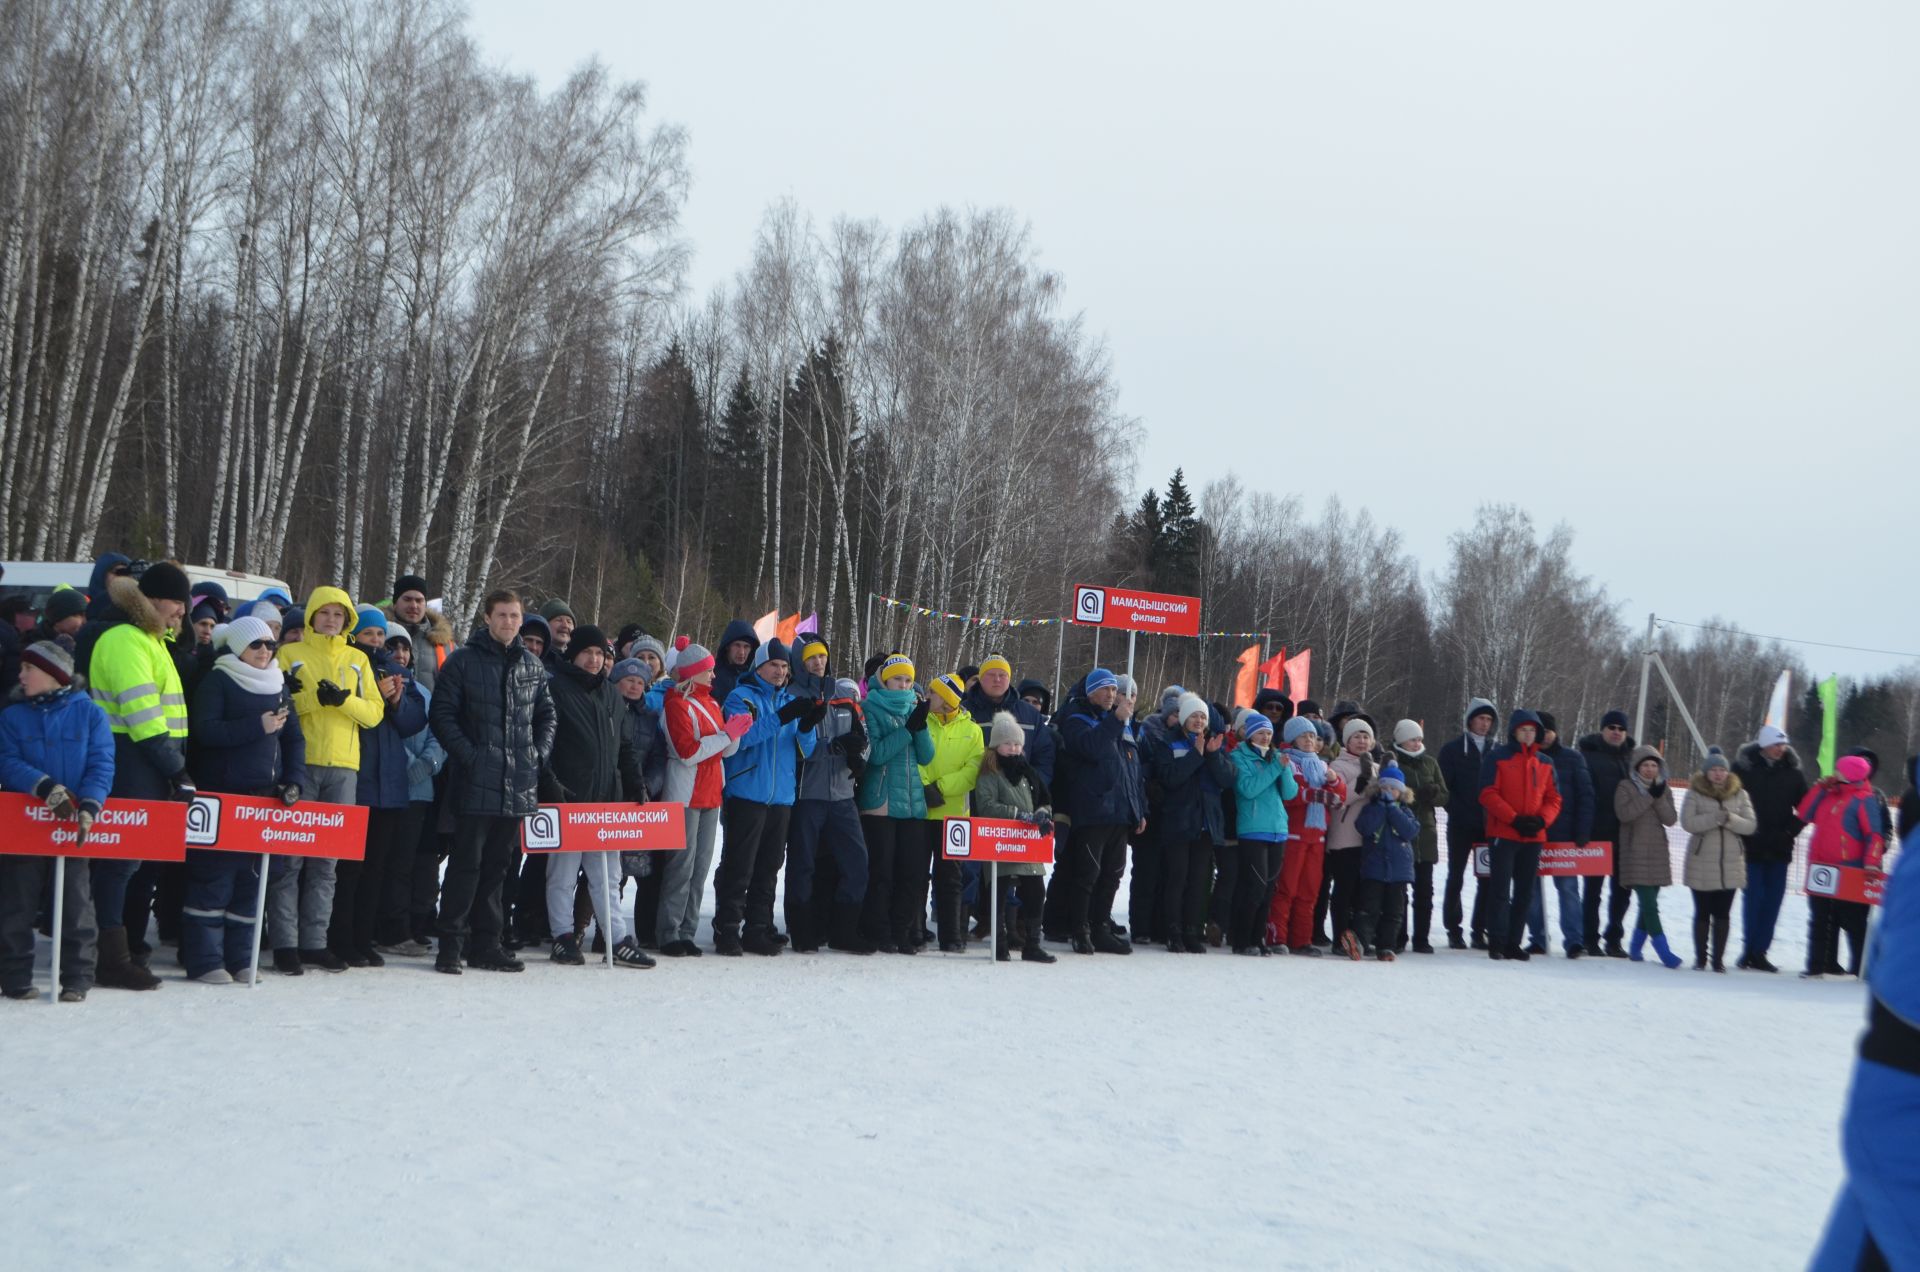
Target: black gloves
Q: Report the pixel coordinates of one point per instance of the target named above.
(294, 683)
(917, 719)
(289, 795)
(1527, 825)
(330, 694)
(934, 798)
(1581, 843)
(184, 787)
(816, 712)
(1043, 821)
(1657, 789)
(792, 710)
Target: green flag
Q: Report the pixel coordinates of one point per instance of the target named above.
(1829, 723)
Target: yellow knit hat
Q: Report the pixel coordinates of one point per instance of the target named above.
(996, 662)
(894, 665)
(813, 646)
(948, 690)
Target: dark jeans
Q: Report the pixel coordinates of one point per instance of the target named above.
(1259, 870)
(136, 910)
(1099, 859)
(22, 881)
(1511, 869)
(1760, 904)
(1146, 890)
(835, 825)
(360, 886)
(392, 904)
(110, 879)
(1459, 866)
(1422, 905)
(1619, 899)
(1376, 913)
(1826, 920)
(1186, 869)
(751, 853)
(1060, 882)
(891, 842)
(471, 905)
(1343, 874)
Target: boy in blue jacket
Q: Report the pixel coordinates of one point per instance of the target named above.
(56, 747)
(1388, 833)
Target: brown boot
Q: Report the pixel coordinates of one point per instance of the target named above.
(117, 969)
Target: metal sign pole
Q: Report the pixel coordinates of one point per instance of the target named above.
(59, 907)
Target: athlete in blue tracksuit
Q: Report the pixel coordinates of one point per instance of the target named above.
(1876, 1220)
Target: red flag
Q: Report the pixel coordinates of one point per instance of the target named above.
(1247, 679)
(1273, 672)
(1297, 668)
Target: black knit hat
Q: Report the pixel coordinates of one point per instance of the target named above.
(165, 581)
(410, 583)
(66, 603)
(588, 637)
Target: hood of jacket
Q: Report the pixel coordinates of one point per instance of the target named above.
(1749, 756)
(125, 595)
(1701, 785)
(1474, 707)
(98, 602)
(738, 629)
(326, 595)
(1524, 716)
(1642, 754)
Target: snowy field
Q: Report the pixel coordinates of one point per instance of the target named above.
(826, 1111)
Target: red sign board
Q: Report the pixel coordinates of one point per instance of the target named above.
(1132, 610)
(605, 828)
(1846, 883)
(991, 839)
(126, 830)
(244, 823)
(1557, 860)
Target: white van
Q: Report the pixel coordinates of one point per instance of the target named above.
(38, 579)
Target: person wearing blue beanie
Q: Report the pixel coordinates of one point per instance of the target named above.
(1099, 678)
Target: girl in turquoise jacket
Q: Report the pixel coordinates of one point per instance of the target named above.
(893, 810)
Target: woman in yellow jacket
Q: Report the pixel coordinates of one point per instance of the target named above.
(949, 778)
(335, 695)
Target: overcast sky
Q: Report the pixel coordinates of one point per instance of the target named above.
(1648, 268)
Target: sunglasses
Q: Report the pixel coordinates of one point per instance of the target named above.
(264, 644)
(1615, 728)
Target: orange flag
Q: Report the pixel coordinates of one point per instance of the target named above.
(1297, 668)
(789, 628)
(1247, 679)
(1273, 672)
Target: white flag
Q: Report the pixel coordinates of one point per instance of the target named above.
(1777, 704)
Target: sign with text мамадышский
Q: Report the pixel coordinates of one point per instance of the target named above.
(1129, 609)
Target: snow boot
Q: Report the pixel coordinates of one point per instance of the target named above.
(1083, 941)
(323, 958)
(1700, 928)
(1247, 951)
(1479, 941)
(1615, 949)
(566, 949)
(1105, 941)
(1515, 954)
(216, 976)
(803, 937)
(497, 959)
(1034, 952)
(1722, 925)
(1759, 963)
(846, 930)
(1667, 956)
(1637, 954)
(1576, 951)
(1194, 943)
(25, 994)
(760, 941)
(1423, 947)
(1455, 941)
(116, 968)
(726, 943)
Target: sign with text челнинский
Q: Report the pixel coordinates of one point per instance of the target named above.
(126, 830)
(605, 827)
(993, 839)
(1131, 610)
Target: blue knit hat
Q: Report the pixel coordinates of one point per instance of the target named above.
(1100, 678)
(628, 667)
(1295, 729)
(370, 616)
(1390, 772)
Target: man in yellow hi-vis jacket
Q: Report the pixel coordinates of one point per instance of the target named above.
(335, 695)
(133, 678)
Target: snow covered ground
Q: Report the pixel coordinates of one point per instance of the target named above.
(936, 1112)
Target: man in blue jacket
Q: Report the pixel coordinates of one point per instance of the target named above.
(1095, 794)
(1574, 825)
(1461, 766)
(761, 780)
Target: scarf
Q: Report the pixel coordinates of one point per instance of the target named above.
(898, 703)
(1313, 771)
(261, 680)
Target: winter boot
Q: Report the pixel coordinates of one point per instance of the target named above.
(1700, 924)
(846, 930)
(804, 938)
(1639, 946)
(1083, 941)
(1194, 943)
(287, 963)
(760, 941)
(726, 943)
(73, 995)
(1667, 956)
(1034, 952)
(116, 969)
(1721, 924)
(1106, 942)
(1455, 941)
(1615, 949)
(324, 958)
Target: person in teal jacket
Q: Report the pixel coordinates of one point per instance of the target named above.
(893, 809)
(1263, 782)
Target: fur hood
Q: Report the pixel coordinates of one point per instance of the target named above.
(1749, 757)
(435, 627)
(126, 594)
(1701, 785)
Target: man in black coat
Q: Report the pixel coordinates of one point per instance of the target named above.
(1607, 754)
(1776, 784)
(1461, 765)
(492, 712)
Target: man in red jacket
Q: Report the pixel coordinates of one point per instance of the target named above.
(1521, 799)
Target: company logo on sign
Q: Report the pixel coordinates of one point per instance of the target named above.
(1823, 881)
(543, 830)
(1090, 604)
(959, 838)
(1482, 859)
(203, 821)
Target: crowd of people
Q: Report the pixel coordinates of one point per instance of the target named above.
(1273, 829)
